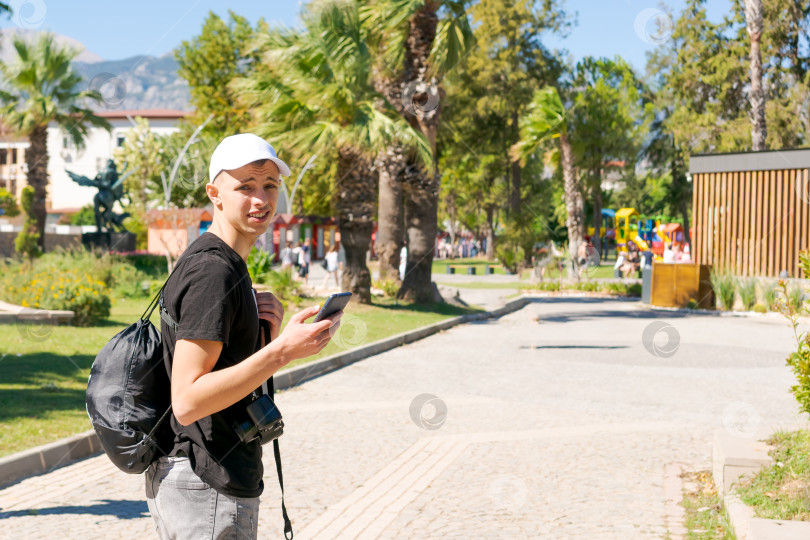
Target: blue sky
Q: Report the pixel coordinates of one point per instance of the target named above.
(117, 30)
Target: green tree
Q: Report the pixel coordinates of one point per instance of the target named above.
(487, 95)
(313, 91)
(42, 87)
(209, 62)
(610, 119)
(547, 118)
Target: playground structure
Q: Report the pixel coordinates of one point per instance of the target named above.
(751, 211)
(647, 233)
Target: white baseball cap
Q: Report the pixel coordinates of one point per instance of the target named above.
(238, 150)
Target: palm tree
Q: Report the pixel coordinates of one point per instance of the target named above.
(414, 47)
(41, 88)
(545, 119)
(313, 94)
(753, 24)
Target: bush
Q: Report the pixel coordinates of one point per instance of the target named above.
(259, 263)
(748, 293)
(799, 360)
(724, 285)
(85, 216)
(621, 288)
(283, 285)
(8, 203)
(587, 285)
(760, 308)
(550, 285)
(390, 287)
(794, 295)
(27, 241)
(767, 289)
(66, 290)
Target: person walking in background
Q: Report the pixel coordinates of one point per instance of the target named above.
(403, 262)
(296, 257)
(303, 263)
(331, 266)
(286, 258)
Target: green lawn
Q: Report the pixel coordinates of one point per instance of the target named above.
(781, 490)
(44, 370)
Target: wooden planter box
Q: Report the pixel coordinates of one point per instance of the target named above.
(673, 285)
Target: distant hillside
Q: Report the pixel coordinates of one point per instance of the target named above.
(140, 82)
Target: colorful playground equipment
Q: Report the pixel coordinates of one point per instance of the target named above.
(627, 228)
(647, 233)
(608, 229)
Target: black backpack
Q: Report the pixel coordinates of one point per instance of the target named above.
(129, 396)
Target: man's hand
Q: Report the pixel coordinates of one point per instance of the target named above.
(302, 339)
(271, 310)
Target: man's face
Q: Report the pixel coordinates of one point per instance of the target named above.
(247, 196)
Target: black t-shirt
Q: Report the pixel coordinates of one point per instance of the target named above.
(210, 296)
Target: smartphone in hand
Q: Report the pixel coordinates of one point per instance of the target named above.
(336, 302)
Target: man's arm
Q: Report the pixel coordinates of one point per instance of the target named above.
(197, 391)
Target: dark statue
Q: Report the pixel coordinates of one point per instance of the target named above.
(110, 189)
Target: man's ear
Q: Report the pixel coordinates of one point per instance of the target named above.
(213, 193)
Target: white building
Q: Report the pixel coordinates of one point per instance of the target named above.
(66, 195)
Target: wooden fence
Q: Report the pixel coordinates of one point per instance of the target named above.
(751, 211)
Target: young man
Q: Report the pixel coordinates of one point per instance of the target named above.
(208, 486)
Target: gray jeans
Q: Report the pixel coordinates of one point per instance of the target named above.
(186, 508)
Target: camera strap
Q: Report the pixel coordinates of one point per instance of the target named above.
(270, 389)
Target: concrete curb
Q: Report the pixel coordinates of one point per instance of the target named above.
(48, 457)
(45, 458)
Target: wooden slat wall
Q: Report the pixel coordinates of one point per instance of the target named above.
(754, 223)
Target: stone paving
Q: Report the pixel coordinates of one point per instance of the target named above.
(562, 420)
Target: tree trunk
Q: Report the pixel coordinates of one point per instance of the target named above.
(355, 212)
(36, 158)
(421, 109)
(490, 250)
(390, 223)
(574, 204)
(421, 210)
(759, 131)
(514, 198)
(597, 214)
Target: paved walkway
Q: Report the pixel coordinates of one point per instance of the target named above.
(562, 421)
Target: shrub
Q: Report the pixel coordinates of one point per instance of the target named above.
(760, 308)
(587, 285)
(85, 216)
(390, 287)
(724, 285)
(799, 361)
(259, 263)
(550, 285)
(8, 203)
(27, 241)
(794, 295)
(283, 285)
(748, 293)
(66, 290)
(621, 288)
(767, 289)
